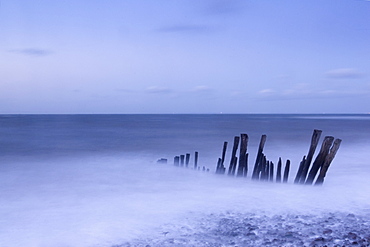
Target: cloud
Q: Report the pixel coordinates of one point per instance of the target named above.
(35, 52)
(224, 7)
(303, 91)
(267, 91)
(158, 90)
(185, 28)
(201, 89)
(343, 73)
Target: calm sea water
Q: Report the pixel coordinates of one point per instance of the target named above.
(48, 136)
(92, 180)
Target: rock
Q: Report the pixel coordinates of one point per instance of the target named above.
(327, 231)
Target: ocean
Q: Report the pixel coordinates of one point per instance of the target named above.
(94, 180)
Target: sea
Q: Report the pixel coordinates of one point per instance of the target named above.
(94, 181)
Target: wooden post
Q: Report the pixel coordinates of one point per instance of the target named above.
(195, 160)
(182, 157)
(218, 168)
(243, 168)
(259, 168)
(278, 172)
(320, 159)
(255, 174)
(187, 159)
(300, 169)
(233, 157)
(271, 177)
(246, 164)
(220, 164)
(329, 158)
(267, 170)
(314, 141)
(262, 168)
(235, 162)
(176, 160)
(286, 171)
(162, 161)
(223, 154)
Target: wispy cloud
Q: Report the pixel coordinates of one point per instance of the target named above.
(189, 28)
(32, 52)
(224, 7)
(202, 89)
(303, 91)
(343, 73)
(266, 92)
(158, 90)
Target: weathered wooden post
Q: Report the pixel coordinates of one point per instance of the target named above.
(176, 160)
(235, 161)
(218, 167)
(223, 153)
(300, 169)
(278, 172)
(232, 165)
(162, 161)
(314, 141)
(266, 171)
(246, 164)
(220, 164)
(262, 168)
(329, 158)
(243, 168)
(195, 160)
(187, 159)
(286, 171)
(182, 158)
(320, 159)
(271, 177)
(255, 174)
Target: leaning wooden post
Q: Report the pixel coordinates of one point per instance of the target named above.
(255, 174)
(218, 168)
(320, 159)
(286, 171)
(300, 169)
(187, 159)
(233, 156)
(195, 160)
(278, 172)
(243, 168)
(220, 165)
(329, 158)
(314, 141)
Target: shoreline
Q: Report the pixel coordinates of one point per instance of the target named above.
(253, 229)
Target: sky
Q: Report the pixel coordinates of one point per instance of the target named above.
(183, 56)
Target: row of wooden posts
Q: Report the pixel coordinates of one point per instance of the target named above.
(183, 160)
(263, 169)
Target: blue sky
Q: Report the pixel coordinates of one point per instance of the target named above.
(182, 56)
